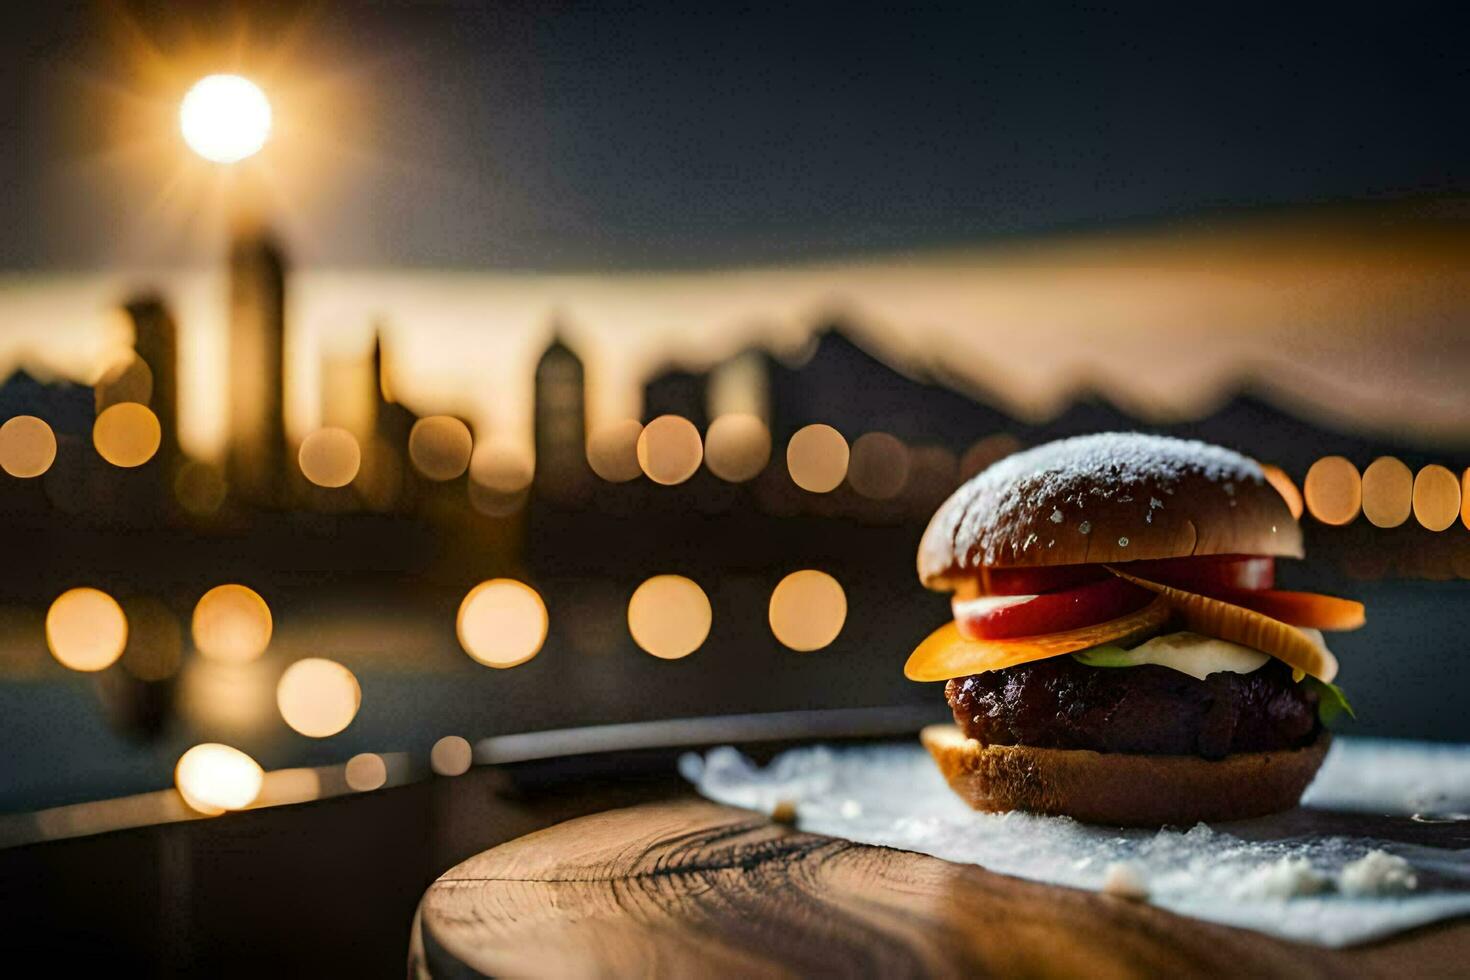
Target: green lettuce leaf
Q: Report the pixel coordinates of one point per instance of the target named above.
(1331, 702)
(1104, 655)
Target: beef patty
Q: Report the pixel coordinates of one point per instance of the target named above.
(1061, 704)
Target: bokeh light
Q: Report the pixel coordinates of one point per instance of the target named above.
(990, 449)
(200, 487)
(366, 772)
(817, 458)
(737, 447)
(155, 644)
(451, 756)
(502, 623)
(500, 468)
(127, 434)
(236, 701)
(232, 624)
(879, 466)
(808, 609)
(1388, 492)
(330, 457)
(1436, 497)
(440, 447)
(669, 449)
(225, 118)
(86, 629)
(27, 446)
(318, 697)
(669, 616)
(213, 778)
(1465, 498)
(1333, 490)
(1285, 486)
(612, 451)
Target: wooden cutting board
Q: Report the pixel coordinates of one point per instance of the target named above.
(696, 889)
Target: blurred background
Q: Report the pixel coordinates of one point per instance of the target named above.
(435, 372)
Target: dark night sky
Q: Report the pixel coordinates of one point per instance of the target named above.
(653, 135)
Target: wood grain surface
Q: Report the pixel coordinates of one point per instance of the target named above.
(693, 888)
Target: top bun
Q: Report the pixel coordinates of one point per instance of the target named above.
(1107, 498)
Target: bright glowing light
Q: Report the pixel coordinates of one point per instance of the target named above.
(808, 609)
(27, 446)
(366, 771)
(213, 778)
(500, 468)
(1388, 492)
(879, 467)
(318, 697)
(817, 458)
(669, 449)
(86, 629)
(232, 624)
(127, 434)
(451, 756)
(330, 457)
(669, 616)
(1333, 490)
(155, 645)
(229, 700)
(737, 447)
(440, 447)
(1285, 486)
(502, 623)
(612, 451)
(1436, 497)
(225, 118)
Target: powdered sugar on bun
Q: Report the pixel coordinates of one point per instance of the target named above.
(1112, 497)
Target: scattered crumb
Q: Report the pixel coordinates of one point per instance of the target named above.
(784, 812)
(1123, 879)
(1377, 873)
(1286, 878)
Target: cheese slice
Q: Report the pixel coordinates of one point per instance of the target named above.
(945, 653)
(1189, 653)
(1214, 617)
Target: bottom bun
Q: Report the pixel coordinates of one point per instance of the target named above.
(1122, 789)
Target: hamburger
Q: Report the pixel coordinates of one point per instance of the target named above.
(1119, 652)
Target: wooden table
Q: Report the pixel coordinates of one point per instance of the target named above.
(690, 888)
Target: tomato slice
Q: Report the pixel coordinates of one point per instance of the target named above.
(1008, 617)
(1039, 580)
(1210, 574)
(1310, 609)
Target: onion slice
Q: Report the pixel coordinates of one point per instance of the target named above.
(1215, 617)
(945, 653)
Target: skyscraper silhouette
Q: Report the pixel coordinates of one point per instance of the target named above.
(561, 423)
(257, 432)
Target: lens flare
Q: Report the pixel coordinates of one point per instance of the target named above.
(127, 434)
(318, 697)
(451, 756)
(213, 778)
(232, 624)
(86, 629)
(502, 623)
(669, 616)
(1333, 490)
(440, 447)
(27, 447)
(817, 458)
(225, 118)
(330, 457)
(670, 450)
(808, 609)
